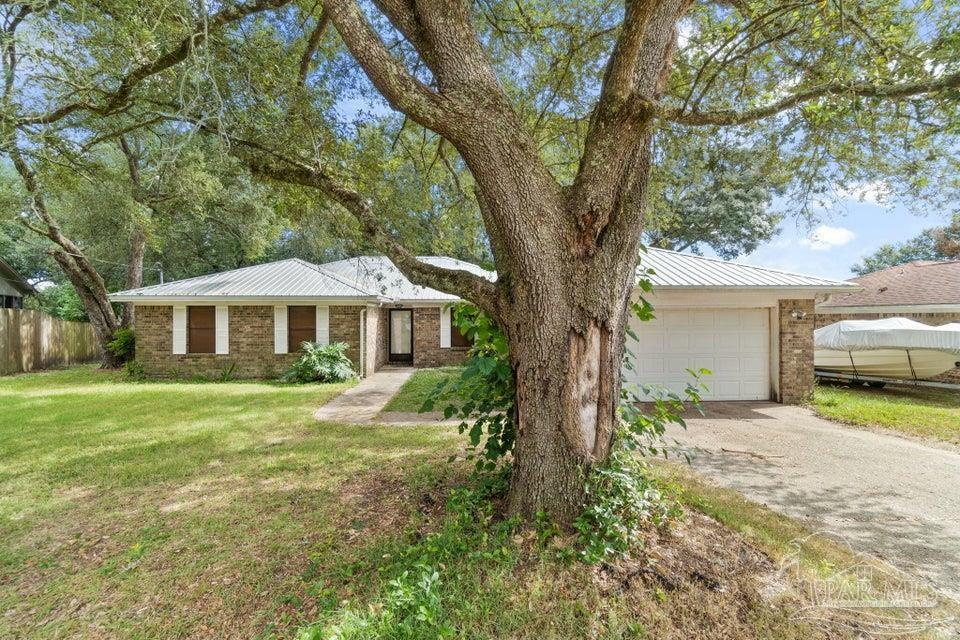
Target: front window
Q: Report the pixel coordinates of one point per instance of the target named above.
(201, 329)
(301, 327)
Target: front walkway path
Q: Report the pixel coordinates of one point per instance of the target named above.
(362, 403)
(892, 496)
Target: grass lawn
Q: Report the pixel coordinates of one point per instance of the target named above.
(928, 413)
(223, 510)
(414, 391)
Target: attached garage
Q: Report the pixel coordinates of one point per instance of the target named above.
(751, 327)
(734, 344)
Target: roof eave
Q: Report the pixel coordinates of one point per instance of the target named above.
(939, 307)
(785, 288)
(122, 297)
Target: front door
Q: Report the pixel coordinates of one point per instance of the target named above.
(401, 335)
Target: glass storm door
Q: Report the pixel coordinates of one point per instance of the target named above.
(401, 335)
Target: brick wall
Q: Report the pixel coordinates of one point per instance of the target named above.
(933, 319)
(378, 337)
(426, 341)
(251, 343)
(796, 351)
(345, 327)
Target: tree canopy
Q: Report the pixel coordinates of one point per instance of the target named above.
(935, 243)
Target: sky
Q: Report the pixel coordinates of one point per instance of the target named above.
(846, 233)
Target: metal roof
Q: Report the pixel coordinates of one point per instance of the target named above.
(379, 274)
(10, 275)
(293, 278)
(377, 278)
(674, 270)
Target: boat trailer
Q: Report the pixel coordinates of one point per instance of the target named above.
(879, 382)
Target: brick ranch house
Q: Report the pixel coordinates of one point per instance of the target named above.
(925, 291)
(751, 326)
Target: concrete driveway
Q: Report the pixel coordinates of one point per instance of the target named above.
(885, 495)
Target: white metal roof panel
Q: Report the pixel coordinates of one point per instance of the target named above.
(293, 278)
(674, 270)
(380, 275)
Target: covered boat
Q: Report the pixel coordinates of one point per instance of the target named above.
(888, 348)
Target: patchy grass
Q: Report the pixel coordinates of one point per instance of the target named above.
(925, 413)
(164, 510)
(414, 391)
(172, 510)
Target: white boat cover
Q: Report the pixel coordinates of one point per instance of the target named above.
(889, 333)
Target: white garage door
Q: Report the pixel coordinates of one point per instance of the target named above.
(732, 343)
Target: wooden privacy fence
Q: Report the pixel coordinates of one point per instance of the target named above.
(31, 340)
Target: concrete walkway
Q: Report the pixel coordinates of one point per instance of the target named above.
(362, 403)
(886, 495)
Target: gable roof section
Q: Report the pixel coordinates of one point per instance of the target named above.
(921, 283)
(380, 275)
(376, 278)
(675, 270)
(293, 278)
(14, 279)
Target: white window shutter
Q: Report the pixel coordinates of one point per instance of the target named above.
(280, 329)
(179, 330)
(323, 325)
(445, 328)
(223, 329)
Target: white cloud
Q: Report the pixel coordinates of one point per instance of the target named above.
(876, 192)
(825, 237)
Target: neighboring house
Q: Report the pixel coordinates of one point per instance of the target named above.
(925, 291)
(751, 326)
(12, 287)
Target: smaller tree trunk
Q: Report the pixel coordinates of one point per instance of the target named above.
(134, 275)
(99, 311)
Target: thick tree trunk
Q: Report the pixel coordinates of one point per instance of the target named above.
(566, 346)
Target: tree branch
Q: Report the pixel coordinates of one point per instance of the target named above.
(118, 97)
(313, 42)
(728, 117)
(404, 92)
(267, 163)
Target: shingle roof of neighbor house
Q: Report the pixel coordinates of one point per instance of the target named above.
(15, 280)
(293, 278)
(378, 273)
(376, 278)
(918, 283)
(683, 270)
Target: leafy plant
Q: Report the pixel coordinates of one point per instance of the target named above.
(484, 391)
(321, 363)
(123, 344)
(134, 370)
(228, 372)
(621, 501)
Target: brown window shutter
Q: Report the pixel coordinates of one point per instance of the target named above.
(201, 330)
(301, 326)
(457, 339)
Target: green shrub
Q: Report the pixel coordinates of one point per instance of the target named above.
(483, 392)
(321, 363)
(134, 370)
(621, 501)
(123, 345)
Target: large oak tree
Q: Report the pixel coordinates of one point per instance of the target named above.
(558, 112)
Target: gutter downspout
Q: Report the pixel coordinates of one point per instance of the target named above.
(363, 342)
